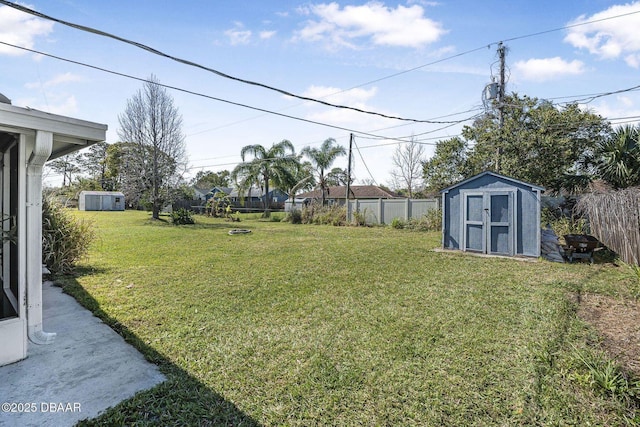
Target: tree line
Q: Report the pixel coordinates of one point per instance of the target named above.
(560, 148)
(563, 149)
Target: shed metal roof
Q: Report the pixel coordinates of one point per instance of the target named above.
(480, 175)
(101, 193)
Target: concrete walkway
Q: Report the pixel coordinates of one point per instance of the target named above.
(87, 369)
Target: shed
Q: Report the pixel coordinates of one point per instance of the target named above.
(492, 214)
(101, 201)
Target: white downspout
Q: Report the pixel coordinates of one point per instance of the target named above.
(41, 152)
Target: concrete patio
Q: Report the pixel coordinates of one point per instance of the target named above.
(87, 369)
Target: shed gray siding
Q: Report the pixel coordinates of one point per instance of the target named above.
(525, 221)
(101, 201)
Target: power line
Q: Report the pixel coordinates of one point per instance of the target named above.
(282, 91)
(363, 162)
(203, 95)
(304, 98)
(200, 66)
(566, 27)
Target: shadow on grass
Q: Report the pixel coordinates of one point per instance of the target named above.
(180, 400)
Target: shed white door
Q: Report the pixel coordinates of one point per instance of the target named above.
(488, 222)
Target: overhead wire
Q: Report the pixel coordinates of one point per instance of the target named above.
(282, 91)
(360, 133)
(222, 74)
(363, 162)
(203, 67)
(201, 94)
(304, 98)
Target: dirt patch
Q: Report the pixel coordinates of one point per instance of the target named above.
(618, 323)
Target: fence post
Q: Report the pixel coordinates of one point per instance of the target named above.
(407, 210)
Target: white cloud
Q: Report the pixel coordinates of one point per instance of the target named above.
(353, 97)
(610, 38)
(20, 29)
(238, 35)
(55, 81)
(356, 98)
(618, 108)
(265, 35)
(547, 68)
(625, 101)
(381, 25)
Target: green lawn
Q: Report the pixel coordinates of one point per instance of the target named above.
(317, 325)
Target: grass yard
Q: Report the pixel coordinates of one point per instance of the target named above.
(314, 325)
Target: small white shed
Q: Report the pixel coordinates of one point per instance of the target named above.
(101, 201)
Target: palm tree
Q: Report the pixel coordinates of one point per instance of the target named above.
(322, 158)
(618, 157)
(274, 164)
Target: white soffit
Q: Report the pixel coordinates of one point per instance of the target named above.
(69, 134)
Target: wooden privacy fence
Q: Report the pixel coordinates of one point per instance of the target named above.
(614, 218)
(383, 211)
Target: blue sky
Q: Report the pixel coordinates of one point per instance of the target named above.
(321, 50)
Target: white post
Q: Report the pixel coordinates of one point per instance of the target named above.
(407, 211)
(41, 152)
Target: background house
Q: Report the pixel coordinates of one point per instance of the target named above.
(254, 199)
(493, 214)
(338, 194)
(204, 194)
(28, 138)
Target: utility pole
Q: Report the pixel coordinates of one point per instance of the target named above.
(346, 197)
(349, 170)
(501, 87)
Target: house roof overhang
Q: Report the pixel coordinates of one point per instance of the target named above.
(69, 134)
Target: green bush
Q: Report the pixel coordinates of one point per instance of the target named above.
(431, 221)
(606, 376)
(324, 215)
(65, 239)
(397, 223)
(562, 224)
(359, 219)
(182, 217)
(294, 216)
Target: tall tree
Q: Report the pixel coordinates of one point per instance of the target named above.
(67, 166)
(322, 158)
(408, 162)
(208, 179)
(153, 124)
(539, 141)
(94, 163)
(617, 159)
(266, 165)
(337, 177)
(448, 164)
